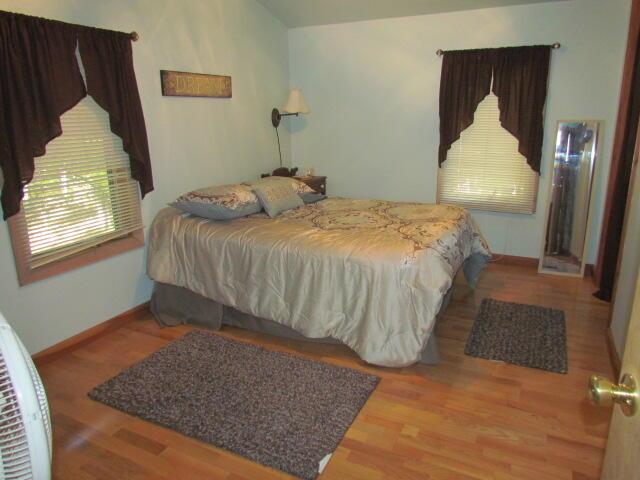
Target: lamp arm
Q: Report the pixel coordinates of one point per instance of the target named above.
(276, 116)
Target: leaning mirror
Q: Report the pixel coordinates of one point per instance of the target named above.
(567, 219)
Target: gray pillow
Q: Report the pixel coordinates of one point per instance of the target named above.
(276, 195)
(222, 202)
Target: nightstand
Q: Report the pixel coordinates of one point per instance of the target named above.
(319, 184)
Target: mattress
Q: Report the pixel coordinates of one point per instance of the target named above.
(369, 273)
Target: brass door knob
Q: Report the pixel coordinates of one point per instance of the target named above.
(604, 393)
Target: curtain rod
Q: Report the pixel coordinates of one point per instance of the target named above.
(555, 46)
(133, 35)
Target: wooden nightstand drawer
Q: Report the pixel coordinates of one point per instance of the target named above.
(319, 184)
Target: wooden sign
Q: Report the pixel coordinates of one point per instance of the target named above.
(183, 84)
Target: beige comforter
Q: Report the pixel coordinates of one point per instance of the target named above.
(369, 273)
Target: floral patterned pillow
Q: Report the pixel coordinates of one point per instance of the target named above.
(277, 195)
(296, 185)
(221, 202)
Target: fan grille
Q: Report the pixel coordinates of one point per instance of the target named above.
(14, 448)
(40, 392)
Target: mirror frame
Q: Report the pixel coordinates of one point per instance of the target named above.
(587, 233)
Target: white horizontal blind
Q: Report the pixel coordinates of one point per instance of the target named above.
(484, 169)
(82, 193)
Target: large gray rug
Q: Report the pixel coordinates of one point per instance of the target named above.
(274, 408)
(526, 335)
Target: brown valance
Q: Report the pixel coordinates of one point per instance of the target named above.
(465, 80)
(111, 82)
(40, 80)
(519, 81)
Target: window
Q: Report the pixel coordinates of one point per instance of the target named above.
(484, 169)
(82, 198)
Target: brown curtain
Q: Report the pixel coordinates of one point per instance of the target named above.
(519, 81)
(40, 80)
(111, 81)
(621, 163)
(465, 80)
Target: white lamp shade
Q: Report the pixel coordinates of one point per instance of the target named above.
(295, 102)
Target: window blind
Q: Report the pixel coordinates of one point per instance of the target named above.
(484, 169)
(82, 193)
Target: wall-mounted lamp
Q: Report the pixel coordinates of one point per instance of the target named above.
(295, 106)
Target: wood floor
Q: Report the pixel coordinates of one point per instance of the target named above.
(466, 418)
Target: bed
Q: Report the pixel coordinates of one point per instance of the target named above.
(370, 274)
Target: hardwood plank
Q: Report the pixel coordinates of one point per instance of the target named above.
(140, 441)
(467, 418)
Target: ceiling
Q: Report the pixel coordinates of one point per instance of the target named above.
(302, 13)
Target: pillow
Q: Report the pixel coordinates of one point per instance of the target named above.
(312, 197)
(221, 202)
(276, 195)
(295, 184)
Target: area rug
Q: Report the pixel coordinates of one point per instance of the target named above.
(526, 335)
(277, 409)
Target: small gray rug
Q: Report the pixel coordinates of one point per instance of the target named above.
(526, 335)
(274, 408)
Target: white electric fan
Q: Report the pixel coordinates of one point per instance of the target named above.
(25, 425)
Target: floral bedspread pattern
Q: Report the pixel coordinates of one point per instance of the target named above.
(445, 229)
(369, 273)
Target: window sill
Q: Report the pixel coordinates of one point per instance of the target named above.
(111, 248)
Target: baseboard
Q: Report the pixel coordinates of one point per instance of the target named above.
(515, 260)
(613, 353)
(59, 349)
(531, 262)
(589, 270)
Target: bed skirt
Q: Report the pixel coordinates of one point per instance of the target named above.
(172, 305)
